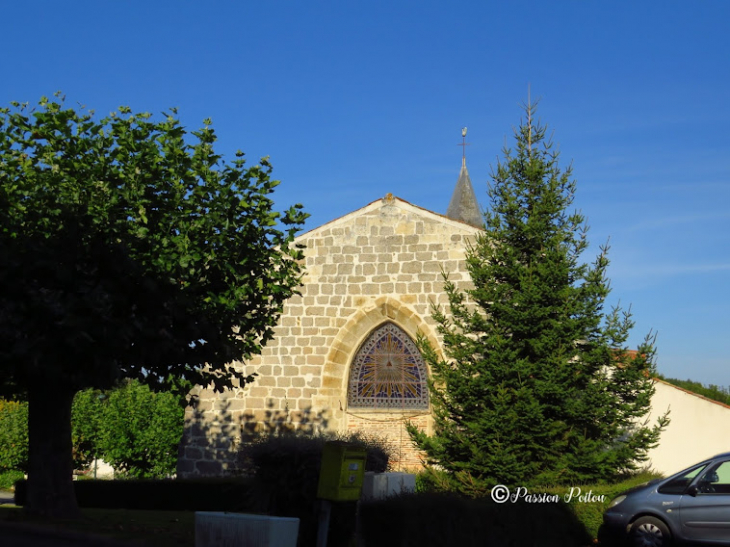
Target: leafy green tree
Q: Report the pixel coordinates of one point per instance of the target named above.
(537, 385)
(129, 249)
(141, 431)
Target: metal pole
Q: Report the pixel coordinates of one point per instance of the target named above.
(325, 510)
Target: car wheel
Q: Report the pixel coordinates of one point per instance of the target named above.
(649, 532)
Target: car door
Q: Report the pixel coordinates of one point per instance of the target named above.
(705, 507)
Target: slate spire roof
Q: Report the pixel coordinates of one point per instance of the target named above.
(463, 205)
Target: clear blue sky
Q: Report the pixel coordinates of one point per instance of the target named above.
(354, 99)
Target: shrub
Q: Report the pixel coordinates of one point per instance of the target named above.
(86, 422)
(141, 431)
(13, 435)
(443, 518)
(589, 513)
(157, 495)
(132, 428)
(9, 478)
(285, 471)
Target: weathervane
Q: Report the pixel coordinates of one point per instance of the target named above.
(463, 145)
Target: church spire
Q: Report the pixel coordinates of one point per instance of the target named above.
(463, 205)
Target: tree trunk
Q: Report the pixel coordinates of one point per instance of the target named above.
(50, 466)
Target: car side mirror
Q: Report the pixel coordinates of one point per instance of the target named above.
(693, 491)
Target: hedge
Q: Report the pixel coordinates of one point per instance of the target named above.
(159, 495)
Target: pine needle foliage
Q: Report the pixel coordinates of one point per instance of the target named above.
(537, 385)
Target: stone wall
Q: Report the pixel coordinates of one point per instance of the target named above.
(380, 263)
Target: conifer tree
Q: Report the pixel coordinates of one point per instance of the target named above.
(537, 385)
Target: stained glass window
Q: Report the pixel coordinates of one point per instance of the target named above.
(388, 372)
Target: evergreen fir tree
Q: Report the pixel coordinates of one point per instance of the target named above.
(537, 385)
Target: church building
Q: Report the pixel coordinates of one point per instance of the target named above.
(344, 357)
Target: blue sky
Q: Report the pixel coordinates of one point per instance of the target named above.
(355, 99)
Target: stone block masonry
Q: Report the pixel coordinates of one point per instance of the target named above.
(379, 264)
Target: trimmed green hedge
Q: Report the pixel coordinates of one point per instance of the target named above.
(439, 518)
(424, 519)
(586, 514)
(590, 513)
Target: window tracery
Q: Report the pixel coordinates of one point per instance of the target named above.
(388, 372)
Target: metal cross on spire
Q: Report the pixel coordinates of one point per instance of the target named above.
(463, 145)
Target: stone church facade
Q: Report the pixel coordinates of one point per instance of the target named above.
(343, 357)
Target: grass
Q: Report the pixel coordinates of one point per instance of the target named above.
(158, 528)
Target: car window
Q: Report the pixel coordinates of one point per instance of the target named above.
(679, 483)
(716, 480)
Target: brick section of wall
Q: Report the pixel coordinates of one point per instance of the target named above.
(381, 263)
(391, 427)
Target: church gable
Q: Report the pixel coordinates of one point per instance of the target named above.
(381, 247)
(378, 266)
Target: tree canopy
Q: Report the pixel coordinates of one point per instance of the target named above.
(129, 249)
(537, 385)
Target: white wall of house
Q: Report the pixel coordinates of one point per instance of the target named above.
(699, 428)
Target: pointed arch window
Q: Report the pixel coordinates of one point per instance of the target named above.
(388, 372)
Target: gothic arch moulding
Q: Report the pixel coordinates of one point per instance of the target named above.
(351, 337)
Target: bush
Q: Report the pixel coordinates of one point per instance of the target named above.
(13, 436)
(132, 428)
(157, 495)
(286, 467)
(442, 518)
(141, 431)
(9, 478)
(588, 513)
(285, 471)
(591, 514)
(86, 422)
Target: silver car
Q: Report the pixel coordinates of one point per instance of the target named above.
(692, 506)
